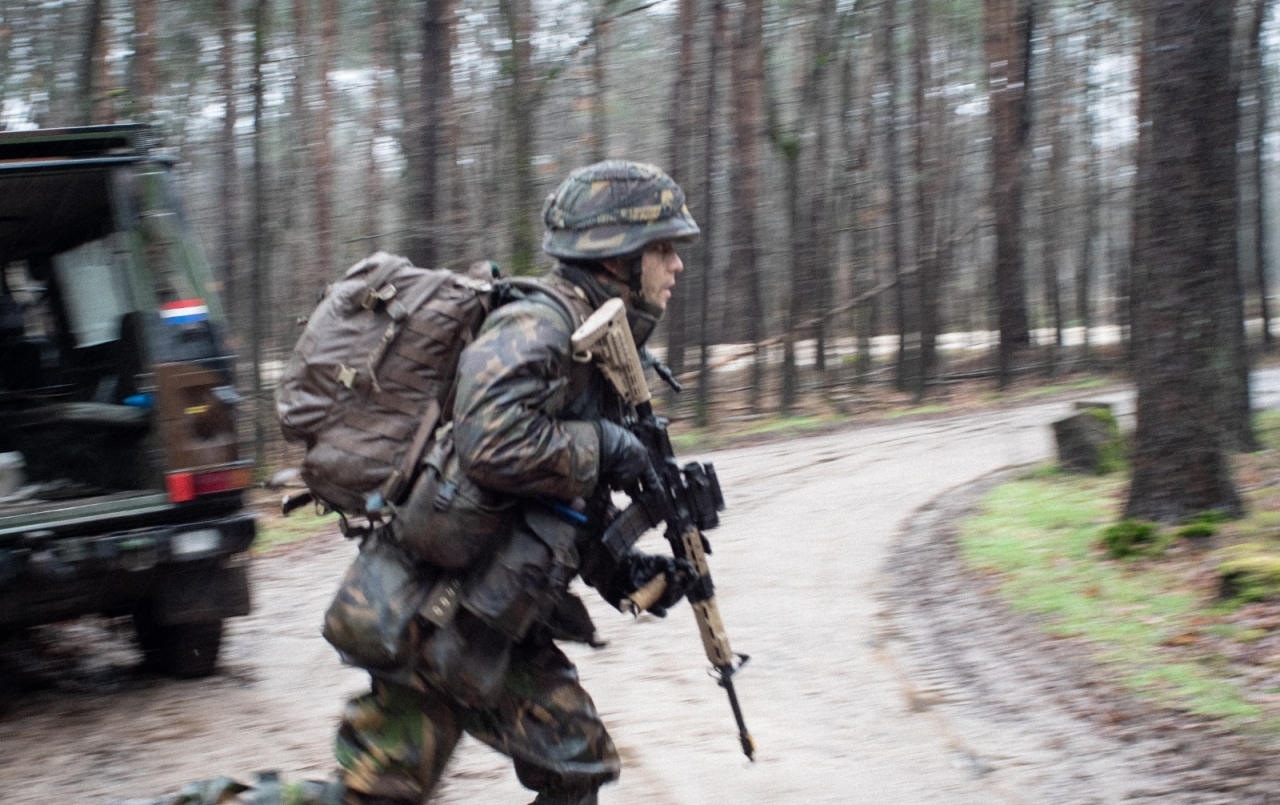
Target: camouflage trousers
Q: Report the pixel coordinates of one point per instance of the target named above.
(393, 742)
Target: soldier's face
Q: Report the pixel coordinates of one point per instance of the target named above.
(658, 268)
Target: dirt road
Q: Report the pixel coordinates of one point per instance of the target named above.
(800, 561)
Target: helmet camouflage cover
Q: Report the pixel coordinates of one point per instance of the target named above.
(614, 208)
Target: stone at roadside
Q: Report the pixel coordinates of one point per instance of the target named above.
(1089, 440)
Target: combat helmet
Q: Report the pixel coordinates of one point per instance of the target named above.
(614, 208)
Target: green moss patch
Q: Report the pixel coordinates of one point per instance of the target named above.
(1045, 539)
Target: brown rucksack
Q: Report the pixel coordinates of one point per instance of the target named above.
(373, 376)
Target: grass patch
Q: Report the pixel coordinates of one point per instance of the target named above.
(919, 409)
(774, 426)
(274, 530)
(1044, 537)
(1058, 388)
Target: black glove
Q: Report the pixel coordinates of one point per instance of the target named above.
(638, 569)
(623, 458)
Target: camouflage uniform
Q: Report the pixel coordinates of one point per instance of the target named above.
(525, 425)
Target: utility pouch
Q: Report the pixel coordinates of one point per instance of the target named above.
(448, 520)
(466, 660)
(371, 618)
(526, 576)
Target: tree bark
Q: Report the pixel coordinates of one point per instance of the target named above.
(1261, 88)
(748, 130)
(228, 238)
(1008, 25)
(329, 257)
(1053, 208)
(380, 40)
(681, 168)
(1092, 200)
(436, 66)
(1184, 253)
(710, 153)
(92, 81)
(144, 60)
(906, 291)
(599, 89)
(926, 201)
(258, 285)
(523, 103)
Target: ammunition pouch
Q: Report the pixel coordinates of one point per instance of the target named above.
(466, 656)
(373, 614)
(455, 631)
(447, 519)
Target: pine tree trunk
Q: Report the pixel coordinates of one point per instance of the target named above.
(327, 259)
(436, 65)
(1184, 253)
(92, 80)
(258, 289)
(748, 130)
(906, 291)
(599, 118)
(681, 168)
(144, 60)
(709, 211)
(1092, 195)
(1261, 89)
(519, 19)
(926, 200)
(228, 237)
(1008, 25)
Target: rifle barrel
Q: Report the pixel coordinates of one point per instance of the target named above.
(744, 736)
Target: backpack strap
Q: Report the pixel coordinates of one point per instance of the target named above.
(532, 284)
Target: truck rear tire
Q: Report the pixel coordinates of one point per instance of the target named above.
(184, 650)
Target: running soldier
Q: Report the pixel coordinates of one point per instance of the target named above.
(532, 424)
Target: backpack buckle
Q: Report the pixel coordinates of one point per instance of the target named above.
(381, 296)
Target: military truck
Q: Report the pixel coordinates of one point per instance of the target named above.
(121, 485)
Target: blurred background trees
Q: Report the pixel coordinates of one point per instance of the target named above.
(910, 192)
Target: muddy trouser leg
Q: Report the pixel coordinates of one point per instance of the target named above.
(393, 744)
(547, 724)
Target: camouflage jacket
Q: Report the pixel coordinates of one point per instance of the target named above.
(525, 412)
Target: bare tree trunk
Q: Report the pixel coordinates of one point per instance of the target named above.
(906, 292)
(374, 195)
(790, 374)
(305, 262)
(258, 287)
(599, 89)
(1092, 195)
(1053, 207)
(436, 65)
(926, 201)
(523, 103)
(228, 238)
(144, 60)
(92, 80)
(817, 182)
(1008, 25)
(710, 153)
(1260, 88)
(681, 165)
(748, 128)
(329, 256)
(1184, 251)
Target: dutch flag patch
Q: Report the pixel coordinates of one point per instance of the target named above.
(185, 311)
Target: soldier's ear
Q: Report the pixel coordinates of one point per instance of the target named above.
(615, 267)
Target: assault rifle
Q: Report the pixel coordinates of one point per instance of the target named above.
(686, 499)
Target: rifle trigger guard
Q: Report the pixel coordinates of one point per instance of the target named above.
(585, 356)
